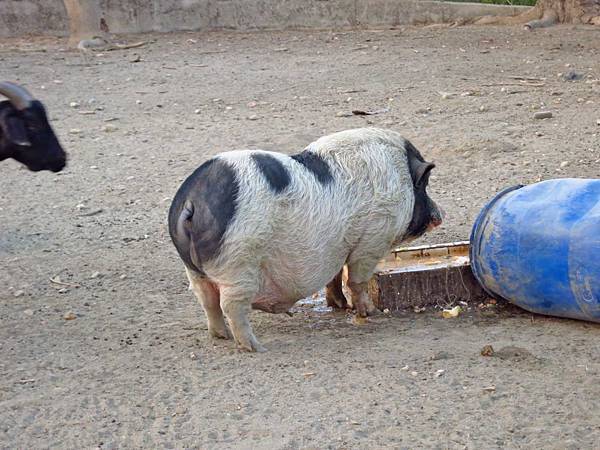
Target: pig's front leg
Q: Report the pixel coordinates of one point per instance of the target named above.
(333, 293)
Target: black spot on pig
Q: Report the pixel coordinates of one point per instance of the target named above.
(315, 164)
(201, 211)
(276, 174)
(425, 211)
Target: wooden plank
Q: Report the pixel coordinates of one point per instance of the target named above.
(421, 276)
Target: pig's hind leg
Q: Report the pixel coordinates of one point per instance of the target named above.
(236, 303)
(334, 294)
(207, 293)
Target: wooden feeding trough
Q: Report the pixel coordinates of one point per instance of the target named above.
(415, 277)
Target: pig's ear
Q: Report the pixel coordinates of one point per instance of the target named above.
(422, 173)
(418, 167)
(419, 170)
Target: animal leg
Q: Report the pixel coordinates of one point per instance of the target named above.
(333, 293)
(359, 273)
(236, 304)
(207, 293)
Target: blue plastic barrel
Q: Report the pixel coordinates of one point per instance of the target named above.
(538, 246)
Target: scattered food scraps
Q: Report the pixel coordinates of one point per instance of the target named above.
(450, 313)
(358, 320)
(487, 350)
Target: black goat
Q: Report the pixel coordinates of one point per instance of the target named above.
(25, 133)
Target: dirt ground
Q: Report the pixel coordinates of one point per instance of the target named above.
(135, 367)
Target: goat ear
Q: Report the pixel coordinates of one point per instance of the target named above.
(14, 130)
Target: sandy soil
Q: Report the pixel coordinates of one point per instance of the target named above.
(136, 369)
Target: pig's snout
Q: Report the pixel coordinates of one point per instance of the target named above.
(437, 216)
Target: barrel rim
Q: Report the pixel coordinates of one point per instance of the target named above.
(475, 238)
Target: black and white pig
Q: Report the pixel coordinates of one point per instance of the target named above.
(258, 229)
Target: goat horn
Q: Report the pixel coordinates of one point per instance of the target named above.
(17, 95)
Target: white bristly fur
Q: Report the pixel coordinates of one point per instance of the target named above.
(287, 245)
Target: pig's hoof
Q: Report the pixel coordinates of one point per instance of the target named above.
(374, 312)
(258, 348)
(219, 333)
(336, 302)
(251, 344)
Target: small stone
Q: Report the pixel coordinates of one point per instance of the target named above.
(109, 128)
(63, 291)
(487, 350)
(253, 117)
(252, 105)
(28, 312)
(404, 368)
(138, 102)
(93, 167)
(571, 75)
(74, 105)
(197, 111)
(193, 356)
(598, 122)
(542, 115)
(564, 164)
(95, 274)
(19, 293)
(70, 316)
(483, 108)
(122, 277)
(439, 373)
(414, 373)
(437, 356)
(74, 131)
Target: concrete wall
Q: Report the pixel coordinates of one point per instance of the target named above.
(37, 17)
(49, 17)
